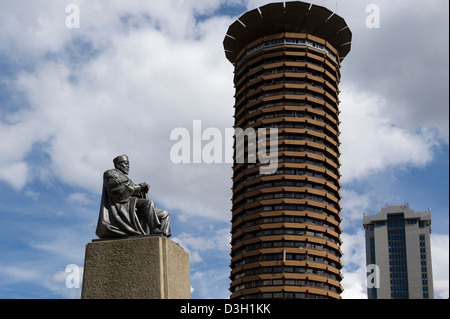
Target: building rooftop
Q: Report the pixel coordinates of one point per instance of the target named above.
(396, 209)
(295, 16)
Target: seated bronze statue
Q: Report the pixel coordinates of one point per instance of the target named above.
(125, 209)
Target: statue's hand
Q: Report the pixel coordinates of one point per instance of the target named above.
(144, 187)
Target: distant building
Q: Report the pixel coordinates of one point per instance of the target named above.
(398, 243)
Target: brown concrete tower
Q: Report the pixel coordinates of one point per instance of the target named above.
(286, 224)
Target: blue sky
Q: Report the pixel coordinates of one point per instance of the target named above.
(73, 99)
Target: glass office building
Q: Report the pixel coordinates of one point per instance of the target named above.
(398, 243)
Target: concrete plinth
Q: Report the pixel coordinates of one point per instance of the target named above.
(147, 267)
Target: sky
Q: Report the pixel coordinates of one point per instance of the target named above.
(84, 81)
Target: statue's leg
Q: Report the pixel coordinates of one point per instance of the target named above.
(164, 218)
(146, 208)
(156, 218)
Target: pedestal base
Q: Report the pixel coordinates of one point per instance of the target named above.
(147, 267)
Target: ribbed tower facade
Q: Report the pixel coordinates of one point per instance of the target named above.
(286, 223)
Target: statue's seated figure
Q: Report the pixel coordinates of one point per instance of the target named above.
(125, 209)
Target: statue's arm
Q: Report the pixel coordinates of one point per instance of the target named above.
(119, 186)
(141, 188)
(137, 189)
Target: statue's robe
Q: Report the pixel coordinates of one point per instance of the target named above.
(118, 216)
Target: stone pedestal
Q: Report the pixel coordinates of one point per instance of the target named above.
(147, 267)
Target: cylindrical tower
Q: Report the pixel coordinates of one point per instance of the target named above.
(286, 224)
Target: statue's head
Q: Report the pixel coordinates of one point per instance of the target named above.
(122, 164)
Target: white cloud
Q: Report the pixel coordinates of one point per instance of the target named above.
(354, 206)
(67, 282)
(16, 174)
(127, 99)
(32, 194)
(155, 69)
(354, 284)
(440, 257)
(213, 241)
(211, 284)
(371, 142)
(79, 198)
(354, 261)
(394, 62)
(18, 273)
(34, 273)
